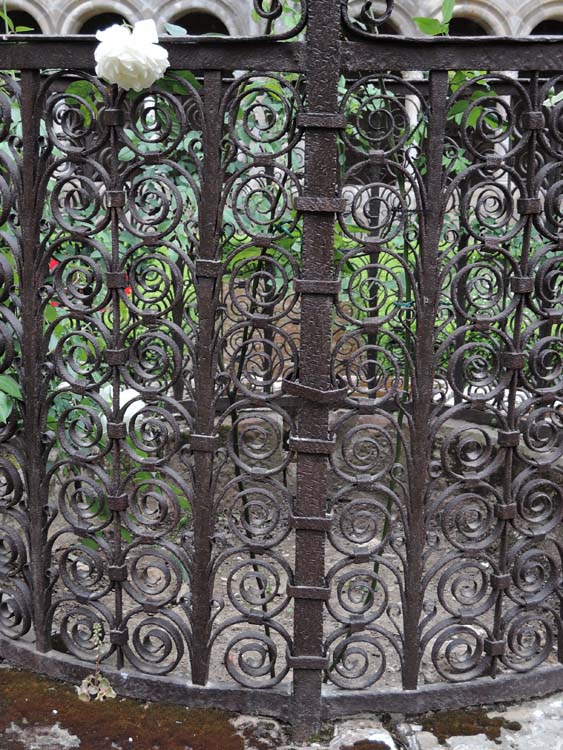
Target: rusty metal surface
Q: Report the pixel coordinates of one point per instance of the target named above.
(282, 369)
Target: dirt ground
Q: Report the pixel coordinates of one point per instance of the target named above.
(40, 714)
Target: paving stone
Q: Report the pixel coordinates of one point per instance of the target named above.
(407, 734)
(427, 741)
(474, 742)
(43, 738)
(365, 731)
(258, 731)
(541, 729)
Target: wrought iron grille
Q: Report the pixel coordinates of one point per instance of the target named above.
(281, 368)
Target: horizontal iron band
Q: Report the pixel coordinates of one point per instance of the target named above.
(117, 430)
(118, 503)
(118, 637)
(117, 572)
(472, 483)
(255, 548)
(112, 117)
(505, 512)
(115, 198)
(533, 121)
(262, 240)
(264, 160)
(361, 558)
(204, 443)
(116, 280)
(529, 206)
(151, 609)
(501, 582)
(377, 157)
(319, 204)
(308, 662)
(257, 619)
(294, 388)
(356, 626)
(314, 447)
(319, 593)
(321, 120)
(508, 438)
(324, 287)
(494, 162)
(117, 357)
(522, 284)
(153, 157)
(371, 325)
(310, 523)
(209, 269)
(493, 648)
(513, 360)
(491, 245)
(482, 325)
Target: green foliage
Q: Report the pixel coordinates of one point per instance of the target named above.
(10, 391)
(448, 10)
(173, 30)
(9, 25)
(433, 26)
(95, 686)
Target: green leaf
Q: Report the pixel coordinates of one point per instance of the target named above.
(51, 313)
(23, 29)
(9, 386)
(189, 77)
(448, 10)
(8, 23)
(90, 543)
(430, 26)
(457, 108)
(473, 117)
(80, 88)
(6, 406)
(553, 98)
(126, 535)
(173, 30)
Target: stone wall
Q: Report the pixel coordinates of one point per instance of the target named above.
(68, 16)
(497, 17)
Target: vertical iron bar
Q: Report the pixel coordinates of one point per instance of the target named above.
(512, 415)
(30, 209)
(116, 376)
(423, 376)
(321, 180)
(208, 292)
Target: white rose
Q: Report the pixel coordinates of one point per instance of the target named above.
(128, 397)
(132, 59)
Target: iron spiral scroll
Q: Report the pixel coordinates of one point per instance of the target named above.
(281, 369)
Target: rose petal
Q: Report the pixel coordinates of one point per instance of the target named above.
(145, 32)
(133, 60)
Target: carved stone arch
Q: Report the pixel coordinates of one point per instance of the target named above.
(37, 10)
(533, 13)
(77, 12)
(492, 18)
(236, 16)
